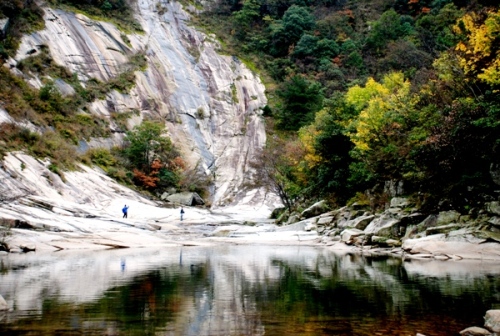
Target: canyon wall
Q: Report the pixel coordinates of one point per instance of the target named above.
(211, 103)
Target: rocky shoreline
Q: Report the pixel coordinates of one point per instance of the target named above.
(403, 231)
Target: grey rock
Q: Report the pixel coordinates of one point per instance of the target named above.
(322, 221)
(299, 226)
(447, 217)
(399, 202)
(428, 222)
(492, 320)
(494, 220)
(362, 222)
(393, 188)
(186, 198)
(493, 208)
(64, 88)
(384, 226)
(315, 210)
(294, 218)
(475, 331)
(348, 235)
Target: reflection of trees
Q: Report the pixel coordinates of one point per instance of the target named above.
(370, 290)
(143, 306)
(254, 291)
(151, 301)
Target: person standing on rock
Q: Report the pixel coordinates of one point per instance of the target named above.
(125, 211)
(182, 213)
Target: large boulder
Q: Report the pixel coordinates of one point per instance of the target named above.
(385, 226)
(447, 217)
(186, 198)
(359, 223)
(315, 210)
(493, 208)
(492, 320)
(348, 236)
(325, 221)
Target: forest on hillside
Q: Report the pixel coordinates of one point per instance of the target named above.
(361, 92)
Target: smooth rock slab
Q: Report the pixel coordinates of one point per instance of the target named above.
(475, 331)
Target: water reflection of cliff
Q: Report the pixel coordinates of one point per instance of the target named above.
(243, 290)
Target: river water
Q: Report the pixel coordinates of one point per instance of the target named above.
(241, 290)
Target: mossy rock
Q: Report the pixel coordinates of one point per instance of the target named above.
(488, 235)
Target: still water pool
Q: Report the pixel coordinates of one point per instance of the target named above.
(241, 290)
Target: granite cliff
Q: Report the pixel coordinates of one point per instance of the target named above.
(211, 103)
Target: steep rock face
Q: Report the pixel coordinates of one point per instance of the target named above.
(211, 103)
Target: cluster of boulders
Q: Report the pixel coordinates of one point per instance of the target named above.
(491, 325)
(401, 228)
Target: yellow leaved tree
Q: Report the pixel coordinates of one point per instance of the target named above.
(478, 51)
(379, 106)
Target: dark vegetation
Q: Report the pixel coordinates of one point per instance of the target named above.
(365, 92)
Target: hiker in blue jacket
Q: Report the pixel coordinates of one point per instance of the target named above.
(182, 213)
(125, 211)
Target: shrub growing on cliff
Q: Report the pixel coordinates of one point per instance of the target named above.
(153, 158)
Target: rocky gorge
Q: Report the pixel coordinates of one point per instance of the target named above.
(212, 106)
